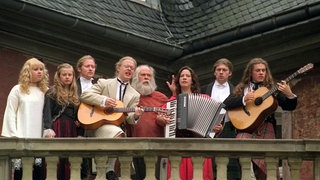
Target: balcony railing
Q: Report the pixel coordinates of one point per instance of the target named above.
(291, 151)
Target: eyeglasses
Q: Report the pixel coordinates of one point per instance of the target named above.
(128, 67)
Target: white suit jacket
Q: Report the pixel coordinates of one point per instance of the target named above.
(108, 88)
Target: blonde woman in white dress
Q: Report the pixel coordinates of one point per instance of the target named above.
(23, 113)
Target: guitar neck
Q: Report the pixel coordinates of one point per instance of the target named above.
(292, 76)
(145, 109)
(275, 88)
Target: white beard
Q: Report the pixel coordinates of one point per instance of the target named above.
(145, 89)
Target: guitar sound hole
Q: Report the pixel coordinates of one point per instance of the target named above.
(108, 110)
(258, 101)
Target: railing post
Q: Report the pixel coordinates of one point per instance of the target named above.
(197, 167)
(245, 163)
(101, 164)
(150, 166)
(75, 168)
(295, 166)
(285, 169)
(175, 167)
(125, 166)
(27, 166)
(51, 167)
(272, 166)
(221, 164)
(5, 170)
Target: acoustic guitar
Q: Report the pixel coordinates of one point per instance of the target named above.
(93, 117)
(250, 117)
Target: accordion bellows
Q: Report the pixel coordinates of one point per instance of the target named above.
(196, 113)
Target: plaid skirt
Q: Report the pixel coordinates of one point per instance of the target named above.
(64, 127)
(265, 131)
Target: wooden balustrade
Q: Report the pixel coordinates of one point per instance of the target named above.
(291, 151)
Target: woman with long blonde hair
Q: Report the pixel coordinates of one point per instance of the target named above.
(60, 111)
(23, 113)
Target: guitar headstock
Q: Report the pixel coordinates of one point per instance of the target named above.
(305, 68)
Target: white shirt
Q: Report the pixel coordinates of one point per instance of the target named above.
(23, 113)
(85, 83)
(219, 93)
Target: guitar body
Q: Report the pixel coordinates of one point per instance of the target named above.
(251, 117)
(249, 122)
(93, 117)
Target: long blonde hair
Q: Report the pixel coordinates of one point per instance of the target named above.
(64, 94)
(247, 76)
(25, 76)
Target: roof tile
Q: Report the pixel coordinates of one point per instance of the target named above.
(185, 19)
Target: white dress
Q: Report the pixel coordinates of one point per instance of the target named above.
(23, 114)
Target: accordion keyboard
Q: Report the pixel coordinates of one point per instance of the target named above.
(170, 129)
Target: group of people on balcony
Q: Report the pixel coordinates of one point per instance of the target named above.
(33, 110)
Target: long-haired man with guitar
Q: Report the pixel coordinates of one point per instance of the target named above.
(253, 115)
(109, 94)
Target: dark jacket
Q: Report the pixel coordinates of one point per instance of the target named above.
(80, 129)
(52, 110)
(228, 130)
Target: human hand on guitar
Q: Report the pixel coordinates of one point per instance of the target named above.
(110, 102)
(285, 89)
(249, 96)
(138, 111)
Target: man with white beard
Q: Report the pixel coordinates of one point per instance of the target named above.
(149, 125)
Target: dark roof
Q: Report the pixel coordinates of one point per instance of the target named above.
(126, 16)
(190, 20)
(209, 23)
(180, 22)
(177, 33)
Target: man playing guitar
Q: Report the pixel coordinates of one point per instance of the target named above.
(256, 77)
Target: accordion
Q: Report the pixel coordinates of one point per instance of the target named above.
(194, 112)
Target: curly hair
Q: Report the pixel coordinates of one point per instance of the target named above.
(25, 76)
(195, 86)
(64, 94)
(247, 76)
